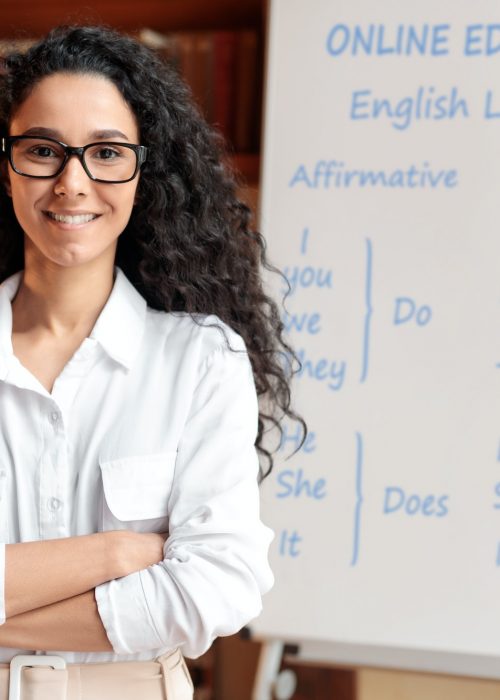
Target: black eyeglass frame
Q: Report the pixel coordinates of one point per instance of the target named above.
(141, 153)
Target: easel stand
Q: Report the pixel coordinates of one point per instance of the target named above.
(270, 683)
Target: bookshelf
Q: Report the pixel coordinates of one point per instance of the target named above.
(36, 18)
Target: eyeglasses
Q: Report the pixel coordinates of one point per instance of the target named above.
(103, 161)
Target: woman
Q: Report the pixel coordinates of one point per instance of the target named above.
(135, 338)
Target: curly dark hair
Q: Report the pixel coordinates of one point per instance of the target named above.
(189, 245)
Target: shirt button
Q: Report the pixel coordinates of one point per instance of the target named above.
(54, 417)
(54, 504)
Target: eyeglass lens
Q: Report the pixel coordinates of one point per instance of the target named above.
(105, 161)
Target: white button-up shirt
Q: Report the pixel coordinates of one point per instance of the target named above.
(149, 427)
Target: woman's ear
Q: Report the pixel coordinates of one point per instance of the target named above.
(4, 176)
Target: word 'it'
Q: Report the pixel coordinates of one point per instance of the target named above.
(289, 543)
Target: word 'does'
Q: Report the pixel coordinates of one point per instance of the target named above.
(397, 500)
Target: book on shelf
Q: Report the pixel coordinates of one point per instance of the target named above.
(223, 71)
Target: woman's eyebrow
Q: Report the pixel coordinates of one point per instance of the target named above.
(108, 134)
(41, 131)
(54, 134)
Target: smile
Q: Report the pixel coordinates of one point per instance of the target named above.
(66, 219)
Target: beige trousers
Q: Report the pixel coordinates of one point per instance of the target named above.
(165, 678)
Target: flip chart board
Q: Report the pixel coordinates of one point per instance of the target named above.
(381, 203)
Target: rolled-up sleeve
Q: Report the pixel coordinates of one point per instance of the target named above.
(215, 567)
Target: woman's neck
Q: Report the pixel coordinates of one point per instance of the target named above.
(61, 301)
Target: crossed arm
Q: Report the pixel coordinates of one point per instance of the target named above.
(69, 625)
(49, 587)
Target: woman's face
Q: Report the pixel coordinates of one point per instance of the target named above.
(75, 109)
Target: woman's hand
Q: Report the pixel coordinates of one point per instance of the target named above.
(132, 551)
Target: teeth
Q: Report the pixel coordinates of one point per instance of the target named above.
(79, 219)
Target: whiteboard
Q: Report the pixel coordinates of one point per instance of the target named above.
(380, 202)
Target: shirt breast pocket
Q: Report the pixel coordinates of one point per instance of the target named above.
(136, 491)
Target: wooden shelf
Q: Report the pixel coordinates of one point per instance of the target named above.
(32, 18)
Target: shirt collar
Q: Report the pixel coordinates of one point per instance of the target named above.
(118, 329)
(120, 325)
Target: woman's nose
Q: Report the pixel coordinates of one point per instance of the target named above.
(73, 180)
